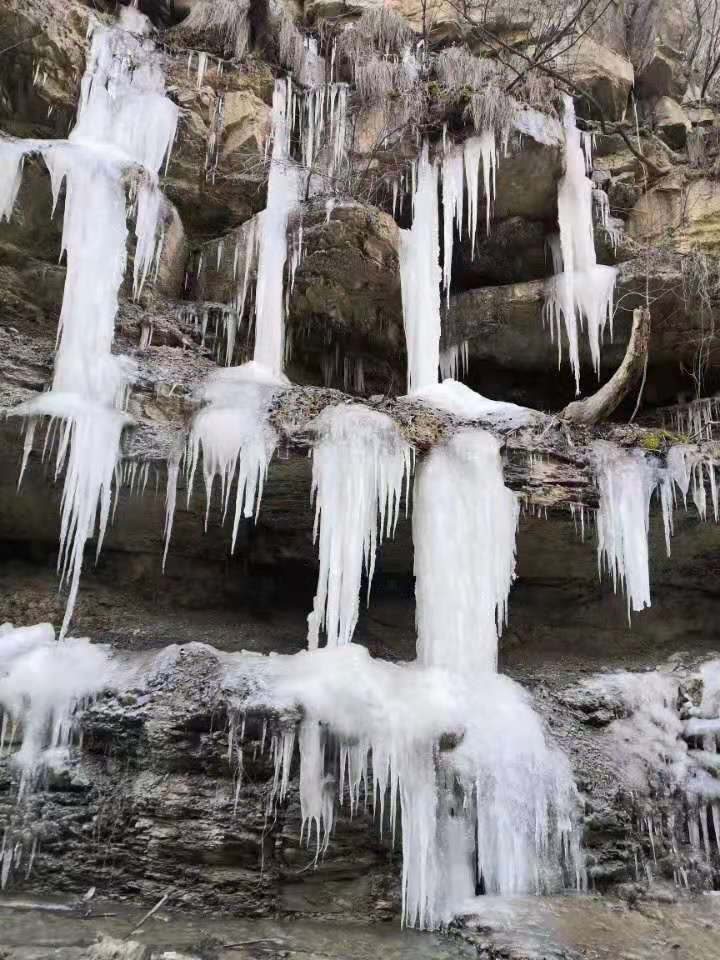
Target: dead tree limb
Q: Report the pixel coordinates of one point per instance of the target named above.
(604, 401)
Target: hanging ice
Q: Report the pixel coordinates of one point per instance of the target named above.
(626, 482)
(282, 197)
(235, 440)
(359, 464)
(464, 524)
(420, 279)
(125, 129)
(583, 292)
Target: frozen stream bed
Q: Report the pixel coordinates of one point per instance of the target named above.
(529, 928)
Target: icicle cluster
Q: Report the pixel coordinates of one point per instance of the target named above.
(235, 440)
(359, 464)
(43, 685)
(669, 747)
(627, 481)
(497, 806)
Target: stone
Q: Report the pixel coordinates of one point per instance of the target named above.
(671, 122)
(108, 948)
(684, 214)
(605, 75)
(661, 75)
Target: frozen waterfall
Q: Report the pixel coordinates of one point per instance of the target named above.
(282, 195)
(125, 129)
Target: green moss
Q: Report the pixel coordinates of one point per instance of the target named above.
(657, 439)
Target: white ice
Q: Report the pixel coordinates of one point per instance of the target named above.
(582, 295)
(360, 462)
(233, 439)
(283, 186)
(464, 525)
(465, 404)
(387, 721)
(420, 279)
(626, 480)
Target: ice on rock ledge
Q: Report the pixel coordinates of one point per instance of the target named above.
(43, 686)
(360, 461)
(465, 404)
(374, 730)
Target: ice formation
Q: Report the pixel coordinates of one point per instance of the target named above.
(420, 279)
(272, 246)
(498, 805)
(668, 747)
(359, 464)
(464, 523)
(460, 170)
(582, 294)
(236, 442)
(627, 480)
(125, 129)
(454, 361)
(466, 404)
(43, 685)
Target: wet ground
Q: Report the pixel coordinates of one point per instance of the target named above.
(531, 928)
(34, 930)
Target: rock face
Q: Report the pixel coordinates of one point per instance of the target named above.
(151, 802)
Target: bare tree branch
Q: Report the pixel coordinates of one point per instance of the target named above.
(604, 401)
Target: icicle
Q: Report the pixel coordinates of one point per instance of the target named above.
(235, 439)
(452, 199)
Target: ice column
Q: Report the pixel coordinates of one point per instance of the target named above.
(420, 279)
(583, 292)
(464, 525)
(282, 196)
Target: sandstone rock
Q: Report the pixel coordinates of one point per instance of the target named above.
(660, 76)
(246, 125)
(671, 122)
(45, 43)
(607, 76)
(683, 214)
(173, 255)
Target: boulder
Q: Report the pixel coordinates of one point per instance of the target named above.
(605, 75)
(671, 122)
(661, 74)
